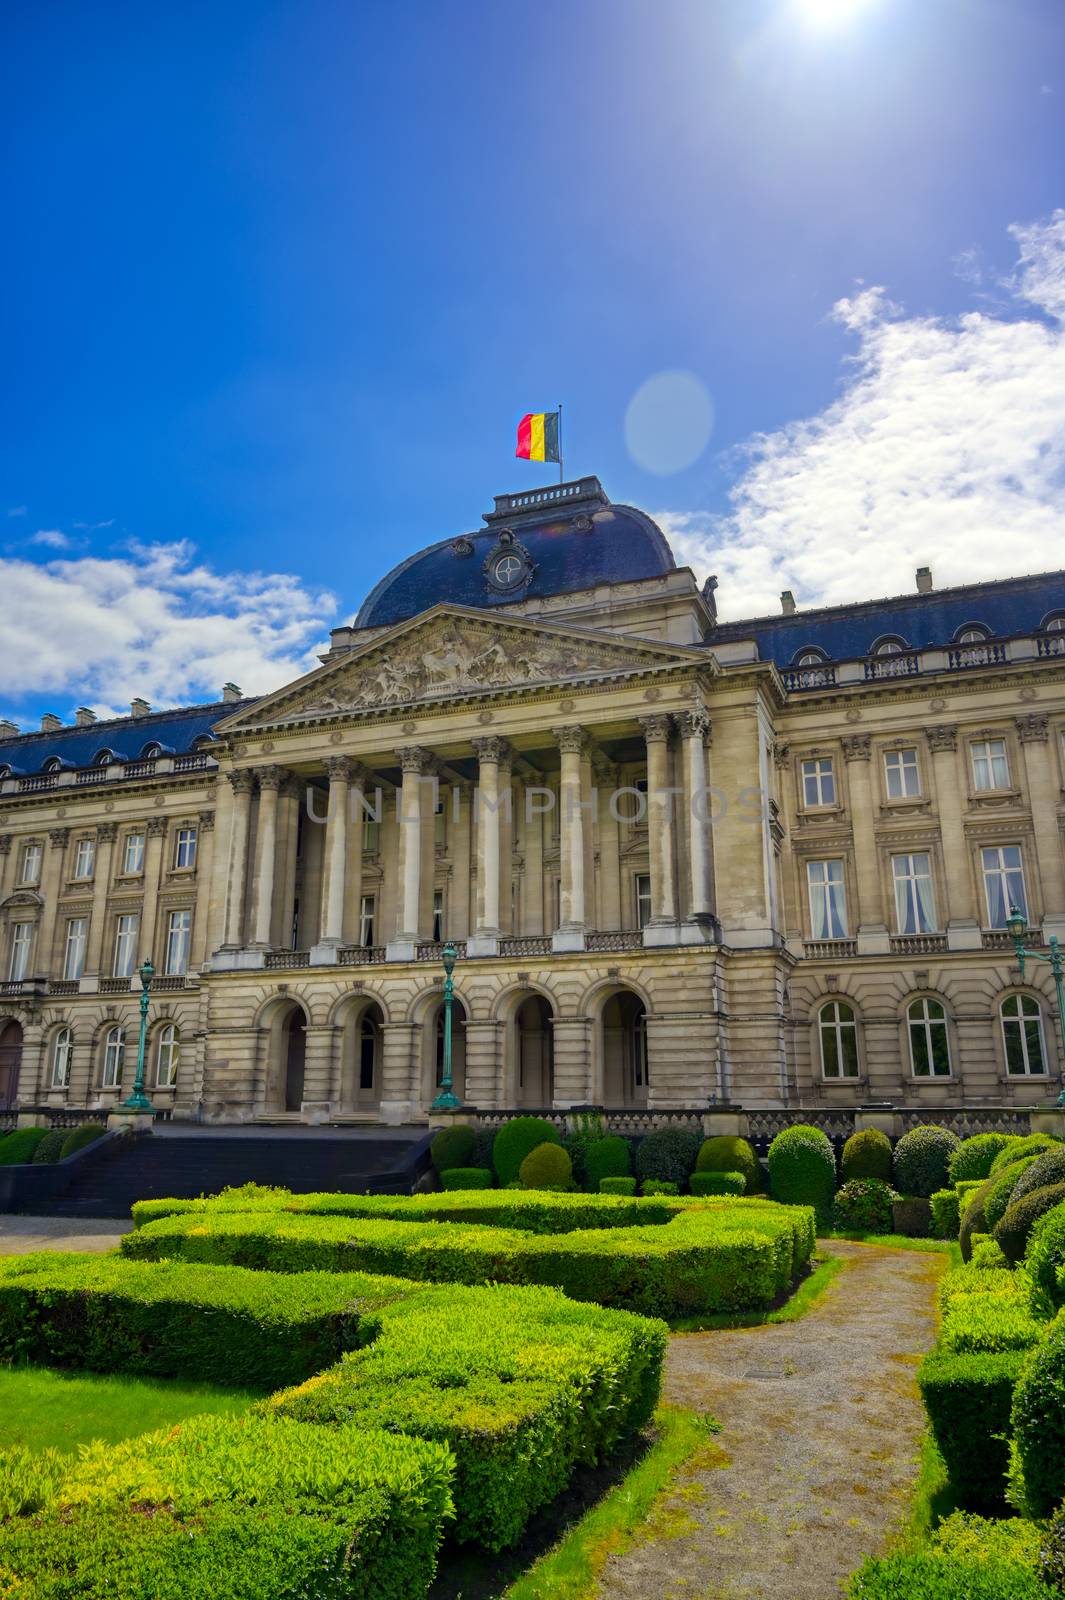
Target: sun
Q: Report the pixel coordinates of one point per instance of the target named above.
(827, 12)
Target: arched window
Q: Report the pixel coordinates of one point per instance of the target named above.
(114, 1056)
(1054, 623)
(926, 1022)
(167, 1053)
(809, 658)
(53, 765)
(888, 647)
(150, 751)
(1022, 1036)
(976, 634)
(62, 1049)
(369, 1051)
(837, 1030)
(104, 758)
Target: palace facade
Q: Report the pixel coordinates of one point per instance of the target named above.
(683, 862)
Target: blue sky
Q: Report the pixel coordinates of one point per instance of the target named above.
(280, 279)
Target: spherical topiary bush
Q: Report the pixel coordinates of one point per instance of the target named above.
(668, 1154)
(1039, 1423)
(1021, 1217)
(607, 1158)
(802, 1169)
(50, 1146)
(1045, 1261)
(547, 1167)
(973, 1157)
(1047, 1168)
(729, 1153)
(863, 1206)
(866, 1155)
(1019, 1146)
(515, 1140)
(85, 1133)
(453, 1147)
(922, 1159)
(717, 1183)
(1001, 1191)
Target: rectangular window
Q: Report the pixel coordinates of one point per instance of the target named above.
(367, 918)
(828, 905)
(133, 856)
(84, 858)
(371, 834)
(991, 768)
(1003, 883)
(127, 932)
(185, 848)
(438, 914)
(30, 864)
(439, 820)
(643, 899)
(62, 1050)
(74, 954)
(21, 939)
(901, 774)
(818, 782)
(178, 930)
(914, 906)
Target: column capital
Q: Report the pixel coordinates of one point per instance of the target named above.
(695, 724)
(157, 826)
(291, 784)
(58, 837)
(944, 736)
(491, 747)
(657, 727)
(781, 756)
(413, 758)
(571, 740)
(242, 780)
(5, 844)
(106, 833)
(206, 821)
(1032, 727)
(338, 768)
(270, 777)
(857, 747)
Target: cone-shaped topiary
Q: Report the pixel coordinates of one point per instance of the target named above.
(668, 1154)
(79, 1137)
(607, 1158)
(547, 1167)
(729, 1153)
(50, 1146)
(1047, 1168)
(453, 1147)
(1021, 1216)
(802, 1169)
(973, 1157)
(866, 1155)
(922, 1159)
(515, 1140)
(1029, 1144)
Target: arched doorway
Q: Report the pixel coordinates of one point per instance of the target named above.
(458, 1049)
(294, 1057)
(623, 1049)
(362, 1061)
(534, 1053)
(10, 1062)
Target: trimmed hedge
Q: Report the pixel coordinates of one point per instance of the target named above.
(986, 1253)
(1039, 1423)
(1045, 1262)
(1020, 1146)
(712, 1256)
(617, 1186)
(51, 1146)
(659, 1186)
(526, 1388)
(18, 1147)
(973, 1157)
(802, 1169)
(453, 1147)
(547, 1167)
(866, 1155)
(517, 1139)
(717, 1183)
(729, 1153)
(986, 1311)
(946, 1216)
(251, 1506)
(968, 1559)
(863, 1206)
(1021, 1216)
(86, 1133)
(922, 1160)
(610, 1157)
(966, 1189)
(668, 1155)
(1045, 1169)
(988, 1205)
(968, 1399)
(466, 1178)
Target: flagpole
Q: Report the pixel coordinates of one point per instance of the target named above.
(560, 441)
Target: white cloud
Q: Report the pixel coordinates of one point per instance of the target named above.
(50, 537)
(946, 448)
(156, 623)
(17, 511)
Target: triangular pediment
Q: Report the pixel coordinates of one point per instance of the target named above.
(452, 652)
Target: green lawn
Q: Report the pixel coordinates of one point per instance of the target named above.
(42, 1408)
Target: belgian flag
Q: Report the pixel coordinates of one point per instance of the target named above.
(538, 436)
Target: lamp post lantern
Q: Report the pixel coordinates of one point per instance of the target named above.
(1017, 927)
(446, 1099)
(138, 1100)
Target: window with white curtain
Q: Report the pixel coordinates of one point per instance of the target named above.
(837, 1030)
(1003, 882)
(179, 927)
(21, 941)
(133, 855)
(114, 1057)
(367, 918)
(828, 904)
(1022, 1037)
(438, 915)
(929, 1041)
(643, 899)
(84, 858)
(127, 932)
(74, 953)
(62, 1049)
(167, 1051)
(818, 782)
(902, 774)
(915, 910)
(991, 767)
(185, 848)
(30, 864)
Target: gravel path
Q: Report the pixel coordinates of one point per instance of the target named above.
(821, 1428)
(20, 1235)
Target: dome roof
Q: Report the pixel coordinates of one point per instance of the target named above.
(547, 541)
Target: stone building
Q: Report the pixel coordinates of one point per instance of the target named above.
(766, 862)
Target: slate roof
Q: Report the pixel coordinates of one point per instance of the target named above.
(1006, 607)
(176, 731)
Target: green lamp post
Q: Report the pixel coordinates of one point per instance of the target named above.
(446, 1099)
(1018, 927)
(138, 1100)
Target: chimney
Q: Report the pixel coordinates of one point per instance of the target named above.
(231, 692)
(787, 602)
(139, 708)
(8, 730)
(924, 580)
(84, 718)
(50, 723)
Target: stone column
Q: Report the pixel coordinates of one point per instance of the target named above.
(532, 898)
(490, 752)
(94, 953)
(506, 841)
(331, 927)
(1033, 736)
(412, 759)
(7, 855)
(269, 780)
(154, 846)
(662, 927)
(570, 934)
(484, 1063)
(572, 1062)
(399, 1072)
(319, 1072)
(353, 874)
(237, 872)
(872, 931)
(204, 872)
(609, 886)
(460, 815)
(959, 913)
(51, 887)
(694, 727)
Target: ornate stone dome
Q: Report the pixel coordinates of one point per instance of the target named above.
(547, 541)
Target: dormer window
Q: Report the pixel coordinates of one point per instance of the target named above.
(888, 647)
(52, 765)
(150, 752)
(1055, 623)
(974, 633)
(809, 658)
(104, 759)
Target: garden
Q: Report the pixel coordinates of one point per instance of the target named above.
(366, 1395)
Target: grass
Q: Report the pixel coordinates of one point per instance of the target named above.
(42, 1408)
(798, 1303)
(902, 1241)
